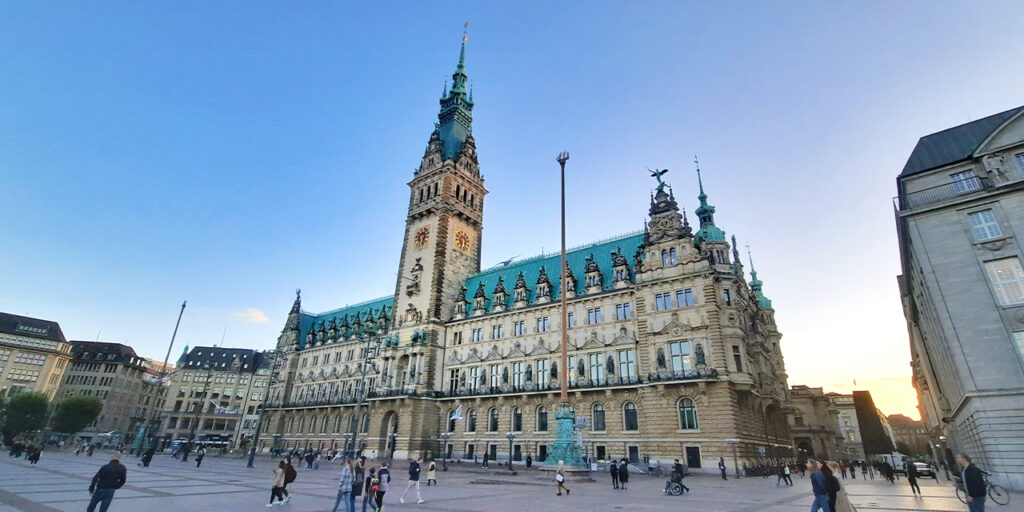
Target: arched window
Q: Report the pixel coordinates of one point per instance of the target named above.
(687, 414)
(517, 420)
(629, 418)
(542, 419)
(451, 422)
(302, 424)
(366, 423)
(471, 421)
(492, 420)
(291, 424)
(337, 424)
(664, 258)
(672, 256)
(598, 418)
(324, 425)
(312, 425)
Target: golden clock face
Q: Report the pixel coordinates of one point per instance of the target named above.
(463, 240)
(421, 237)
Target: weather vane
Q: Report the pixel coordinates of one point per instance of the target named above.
(465, 27)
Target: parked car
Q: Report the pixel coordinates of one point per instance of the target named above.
(925, 470)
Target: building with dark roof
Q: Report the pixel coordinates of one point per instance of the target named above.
(219, 390)
(115, 374)
(672, 351)
(33, 355)
(959, 216)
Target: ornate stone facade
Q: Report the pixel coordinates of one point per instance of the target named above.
(671, 352)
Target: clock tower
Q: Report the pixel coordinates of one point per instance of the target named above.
(446, 203)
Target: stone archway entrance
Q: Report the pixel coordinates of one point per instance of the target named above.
(388, 435)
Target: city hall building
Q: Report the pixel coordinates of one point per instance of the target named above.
(672, 354)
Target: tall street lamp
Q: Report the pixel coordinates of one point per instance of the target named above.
(262, 408)
(444, 453)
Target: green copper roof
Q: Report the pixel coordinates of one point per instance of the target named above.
(954, 144)
(455, 121)
(530, 268)
(361, 311)
(755, 286)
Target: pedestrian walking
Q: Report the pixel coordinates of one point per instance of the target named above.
(529, 461)
(830, 469)
(613, 468)
(110, 477)
(864, 471)
(289, 477)
(912, 475)
(721, 467)
(431, 474)
(818, 487)
(786, 474)
(623, 474)
(309, 460)
(277, 485)
(316, 462)
(370, 486)
(414, 479)
(560, 480)
(200, 453)
(90, 449)
(345, 488)
(484, 465)
(34, 453)
(358, 474)
(782, 475)
(973, 482)
(853, 470)
(384, 477)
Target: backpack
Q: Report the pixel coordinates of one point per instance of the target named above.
(289, 474)
(375, 484)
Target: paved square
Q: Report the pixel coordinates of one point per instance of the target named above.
(223, 484)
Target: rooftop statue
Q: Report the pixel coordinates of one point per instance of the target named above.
(657, 174)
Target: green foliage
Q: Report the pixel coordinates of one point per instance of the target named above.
(26, 412)
(75, 413)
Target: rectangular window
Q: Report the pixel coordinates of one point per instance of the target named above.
(543, 375)
(596, 367)
(684, 297)
(737, 358)
(497, 331)
(456, 340)
(478, 334)
(495, 372)
(519, 328)
(518, 373)
(572, 370)
(965, 182)
(627, 364)
(594, 316)
(679, 355)
(572, 320)
(1007, 280)
(1018, 343)
(727, 297)
(474, 378)
(1020, 161)
(984, 225)
(622, 312)
(453, 381)
(542, 324)
(662, 301)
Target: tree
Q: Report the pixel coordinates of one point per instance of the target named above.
(75, 413)
(26, 412)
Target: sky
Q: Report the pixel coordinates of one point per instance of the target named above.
(228, 153)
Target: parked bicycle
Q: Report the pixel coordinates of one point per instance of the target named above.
(996, 492)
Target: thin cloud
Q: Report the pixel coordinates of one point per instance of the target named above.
(251, 316)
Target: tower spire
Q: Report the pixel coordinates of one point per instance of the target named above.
(455, 121)
(706, 213)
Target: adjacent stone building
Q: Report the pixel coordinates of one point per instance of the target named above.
(814, 423)
(33, 355)
(852, 447)
(672, 352)
(219, 390)
(113, 373)
(911, 436)
(959, 207)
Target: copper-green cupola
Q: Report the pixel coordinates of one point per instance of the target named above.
(706, 213)
(455, 121)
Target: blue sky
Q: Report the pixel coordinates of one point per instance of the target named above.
(227, 153)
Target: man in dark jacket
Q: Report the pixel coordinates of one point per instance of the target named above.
(109, 478)
(974, 483)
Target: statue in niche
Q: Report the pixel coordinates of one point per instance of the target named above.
(413, 288)
(661, 358)
(581, 369)
(529, 373)
(699, 354)
(554, 370)
(610, 366)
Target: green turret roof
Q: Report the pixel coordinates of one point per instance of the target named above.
(706, 213)
(755, 286)
(455, 121)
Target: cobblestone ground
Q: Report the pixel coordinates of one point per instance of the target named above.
(224, 484)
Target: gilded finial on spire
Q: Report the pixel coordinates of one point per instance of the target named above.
(465, 27)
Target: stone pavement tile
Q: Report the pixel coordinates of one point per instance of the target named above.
(51, 486)
(47, 497)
